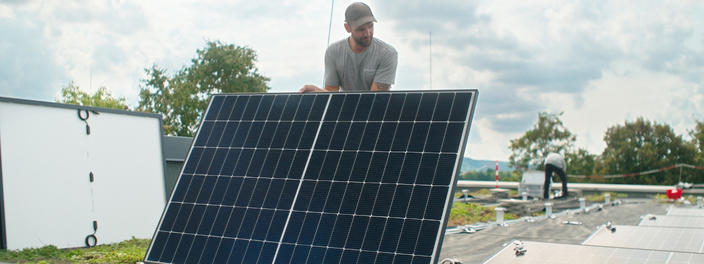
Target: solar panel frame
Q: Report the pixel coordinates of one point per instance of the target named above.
(679, 211)
(673, 221)
(395, 115)
(672, 239)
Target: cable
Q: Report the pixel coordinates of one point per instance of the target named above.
(92, 240)
(611, 176)
(84, 119)
(330, 24)
(332, 6)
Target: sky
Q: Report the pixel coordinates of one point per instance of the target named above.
(599, 63)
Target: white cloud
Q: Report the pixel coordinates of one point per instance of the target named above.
(601, 62)
(617, 98)
(6, 12)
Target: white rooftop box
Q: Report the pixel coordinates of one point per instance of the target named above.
(532, 183)
(73, 176)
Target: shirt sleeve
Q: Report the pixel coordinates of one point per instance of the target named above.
(331, 77)
(386, 73)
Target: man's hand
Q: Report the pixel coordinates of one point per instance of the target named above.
(380, 87)
(312, 88)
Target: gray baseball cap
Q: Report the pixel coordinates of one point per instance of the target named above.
(358, 14)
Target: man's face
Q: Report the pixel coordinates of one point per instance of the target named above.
(363, 34)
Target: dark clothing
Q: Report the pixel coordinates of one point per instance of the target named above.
(549, 169)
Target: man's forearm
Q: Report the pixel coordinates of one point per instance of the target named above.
(312, 88)
(380, 87)
(330, 88)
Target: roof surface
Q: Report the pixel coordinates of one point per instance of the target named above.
(570, 228)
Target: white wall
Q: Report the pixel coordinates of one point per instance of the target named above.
(46, 161)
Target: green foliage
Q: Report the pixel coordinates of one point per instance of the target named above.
(660, 197)
(485, 175)
(634, 147)
(477, 193)
(481, 192)
(129, 251)
(640, 146)
(547, 135)
(72, 94)
(600, 197)
(697, 135)
(581, 162)
(470, 213)
(182, 98)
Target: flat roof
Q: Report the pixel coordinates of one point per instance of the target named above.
(555, 253)
(480, 246)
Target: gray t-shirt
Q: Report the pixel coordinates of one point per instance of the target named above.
(357, 72)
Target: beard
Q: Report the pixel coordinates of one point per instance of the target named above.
(364, 42)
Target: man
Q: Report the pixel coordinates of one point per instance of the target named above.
(555, 163)
(359, 62)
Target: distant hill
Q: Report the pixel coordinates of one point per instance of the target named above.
(469, 164)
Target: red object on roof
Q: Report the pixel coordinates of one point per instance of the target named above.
(674, 194)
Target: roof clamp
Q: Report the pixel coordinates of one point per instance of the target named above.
(451, 261)
(572, 223)
(519, 248)
(548, 210)
(610, 227)
(500, 216)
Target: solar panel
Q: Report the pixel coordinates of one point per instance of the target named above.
(552, 253)
(685, 211)
(646, 237)
(317, 178)
(673, 221)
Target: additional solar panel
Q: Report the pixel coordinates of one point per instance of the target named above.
(686, 211)
(673, 221)
(317, 178)
(646, 237)
(551, 253)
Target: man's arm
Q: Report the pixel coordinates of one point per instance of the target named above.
(312, 88)
(380, 87)
(386, 72)
(330, 76)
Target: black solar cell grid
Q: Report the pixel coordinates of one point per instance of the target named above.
(317, 178)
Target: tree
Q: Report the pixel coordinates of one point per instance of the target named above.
(581, 162)
(182, 98)
(643, 145)
(547, 135)
(697, 135)
(72, 94)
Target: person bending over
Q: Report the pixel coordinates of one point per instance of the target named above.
(554, 163)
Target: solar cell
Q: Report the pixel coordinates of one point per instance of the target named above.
(317, 178)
